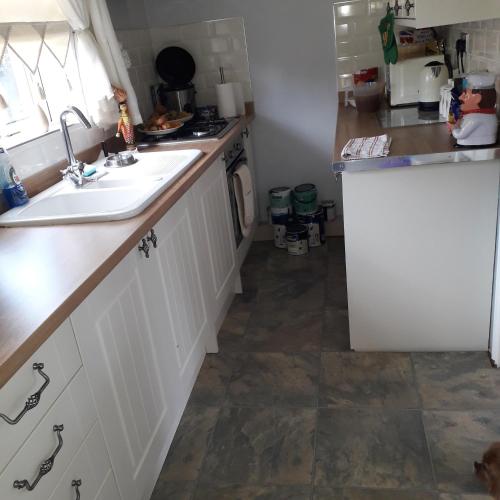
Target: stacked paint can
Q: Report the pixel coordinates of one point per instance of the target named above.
(305, 199)
(315, 224)
(296, 238)
(281, 208)
(308, 228)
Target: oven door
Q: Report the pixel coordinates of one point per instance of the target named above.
(238, 236)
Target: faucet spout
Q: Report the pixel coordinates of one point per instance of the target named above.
(64, 129)
(74, 171)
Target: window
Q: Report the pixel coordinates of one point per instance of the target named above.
(32, 102)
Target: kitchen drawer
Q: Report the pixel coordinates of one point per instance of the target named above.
(61, 360)
(91, 467)
(109, 490)
(75, 410)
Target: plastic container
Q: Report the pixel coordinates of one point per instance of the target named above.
(12, 188)
(368, 96)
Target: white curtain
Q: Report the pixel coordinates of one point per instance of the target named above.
(112, 54)
(100, 62)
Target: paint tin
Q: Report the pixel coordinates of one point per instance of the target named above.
(315, 228)
(305, 193)
(296, 238)
(302, 208)
(280, 197)
(279, 229)
(329, 209)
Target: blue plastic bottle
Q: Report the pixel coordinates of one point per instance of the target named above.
(12, 188)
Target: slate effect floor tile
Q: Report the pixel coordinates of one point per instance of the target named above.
(238, 492)
(190, 442)
(252, 429)
(274, 329)
(456, 440)
(372, 449)
(173, 490)
(372, 494)
(261, 446)
(212, 382)
(457, 380)
(355, 379)
(266, 379)
(335, 333)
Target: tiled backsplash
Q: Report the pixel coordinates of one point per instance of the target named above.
(484, 50)
(137, 44)
(357, 37)
(212, 44)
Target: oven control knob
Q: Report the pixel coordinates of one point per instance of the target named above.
(230, 154)
(237, 146)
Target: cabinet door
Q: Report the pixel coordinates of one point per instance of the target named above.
(175, 286)
(215, 236)
(128, 376)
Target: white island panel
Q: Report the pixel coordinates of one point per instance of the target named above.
(420, 246)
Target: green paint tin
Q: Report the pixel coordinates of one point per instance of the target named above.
(305, 193)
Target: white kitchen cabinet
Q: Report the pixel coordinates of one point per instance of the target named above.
(427, 13)
(215, 238)
(143, 333)
(59, 434)
(87, 472)
(58, 359)
(177, 300)
(128, 370)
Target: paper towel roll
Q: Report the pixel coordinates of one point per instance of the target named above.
(239, 98)
(226, 102)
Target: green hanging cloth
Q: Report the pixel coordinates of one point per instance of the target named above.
(386, 28)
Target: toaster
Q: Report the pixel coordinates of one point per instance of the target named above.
(404, 77)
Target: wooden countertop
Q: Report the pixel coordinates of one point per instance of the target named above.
(420, 139)
(46, 272)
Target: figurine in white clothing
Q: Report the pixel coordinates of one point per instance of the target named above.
(478, 125)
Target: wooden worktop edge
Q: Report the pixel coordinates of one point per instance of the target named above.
(12, 361)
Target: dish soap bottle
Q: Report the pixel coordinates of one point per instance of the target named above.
(13, 190)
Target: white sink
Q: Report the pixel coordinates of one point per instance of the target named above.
(121, 193)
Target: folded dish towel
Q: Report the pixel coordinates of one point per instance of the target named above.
(366, 147)
(243, 187)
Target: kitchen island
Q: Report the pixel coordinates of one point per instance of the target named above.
(420, 236)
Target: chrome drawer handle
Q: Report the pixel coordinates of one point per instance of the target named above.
(144, 248)
(76, 483)
(45, 466)
(33, 400)
(153, 238)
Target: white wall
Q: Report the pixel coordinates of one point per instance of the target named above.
(292, 66)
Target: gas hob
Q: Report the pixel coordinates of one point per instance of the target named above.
(192, 131)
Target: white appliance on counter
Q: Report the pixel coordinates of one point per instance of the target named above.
(404, 79)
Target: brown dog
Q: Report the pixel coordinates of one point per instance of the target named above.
(489, 470)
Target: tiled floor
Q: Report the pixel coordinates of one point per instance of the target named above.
(286, 411)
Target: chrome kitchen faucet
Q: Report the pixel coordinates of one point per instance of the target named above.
(74, 170)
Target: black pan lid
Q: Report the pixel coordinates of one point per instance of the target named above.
(175, 66)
